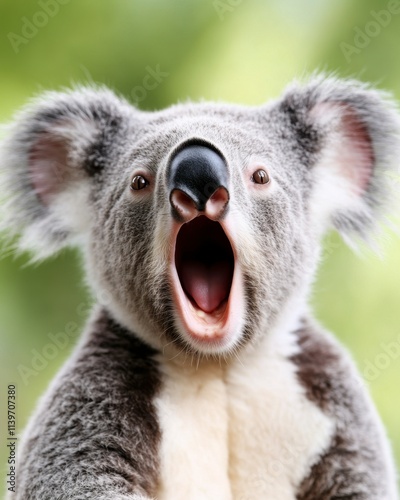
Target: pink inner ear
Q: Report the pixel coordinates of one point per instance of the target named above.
(47, 166)
(357, 158)
(352, 150)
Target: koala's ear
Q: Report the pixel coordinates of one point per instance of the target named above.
(349, 135)
(49, 159)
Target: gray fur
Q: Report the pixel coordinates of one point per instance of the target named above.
(352, 467)
(96, 434)
(101, 415)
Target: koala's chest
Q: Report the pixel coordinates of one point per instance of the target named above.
(248, 432)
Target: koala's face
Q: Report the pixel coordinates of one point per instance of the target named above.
(200, 224)
(201, 229)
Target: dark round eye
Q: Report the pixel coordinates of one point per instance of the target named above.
(260, 176)
(139, 182)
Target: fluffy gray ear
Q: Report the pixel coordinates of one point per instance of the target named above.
(349, 135)
(49, 158)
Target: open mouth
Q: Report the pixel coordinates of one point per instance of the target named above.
(205, 264)
(204, 279)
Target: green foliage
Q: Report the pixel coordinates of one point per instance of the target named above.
(244, 51)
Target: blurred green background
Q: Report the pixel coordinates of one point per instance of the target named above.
(242, 51)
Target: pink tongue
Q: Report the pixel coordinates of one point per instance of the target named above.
(207, 285)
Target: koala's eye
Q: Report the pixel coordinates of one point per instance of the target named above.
(139, 182)
(260, 177)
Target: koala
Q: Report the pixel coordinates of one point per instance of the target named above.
(201, 373)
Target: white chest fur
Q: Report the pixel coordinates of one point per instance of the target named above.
(193, 411)
(239, 433)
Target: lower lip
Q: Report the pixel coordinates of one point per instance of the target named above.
(198, 324)
(215, 332)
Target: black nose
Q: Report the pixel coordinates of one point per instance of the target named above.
(198, 171)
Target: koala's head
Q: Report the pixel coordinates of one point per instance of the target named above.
(201, 224)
